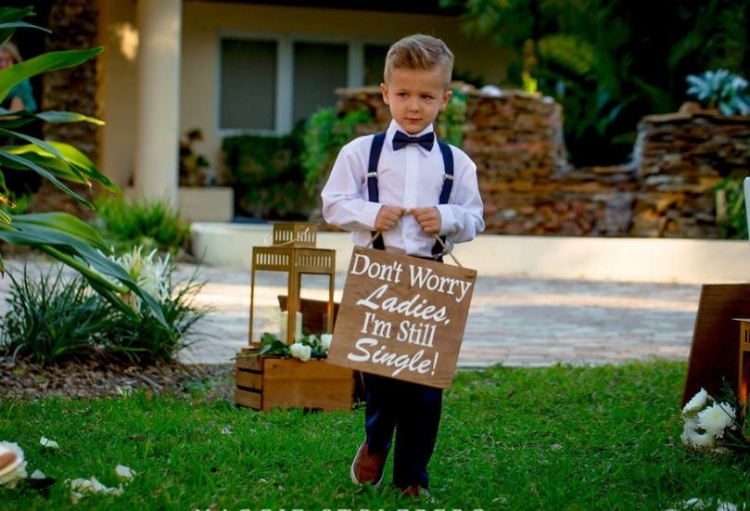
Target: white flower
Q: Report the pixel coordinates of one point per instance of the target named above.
(152, 277)
(693, 438)
(151, 273)
(14, 468)
(300, 351)
(716, 418)
(697, 403)
(325, 341)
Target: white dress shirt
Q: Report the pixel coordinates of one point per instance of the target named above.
(410, 177)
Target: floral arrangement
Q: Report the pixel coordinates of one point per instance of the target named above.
(712, 425)
(310, 346)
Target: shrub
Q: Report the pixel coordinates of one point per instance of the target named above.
(52, 318)
(145, 339)
(730, 208)
(325, 134)
(150, 224)
(266, 176)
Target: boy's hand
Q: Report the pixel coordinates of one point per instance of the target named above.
(428, 219)
(387, 217)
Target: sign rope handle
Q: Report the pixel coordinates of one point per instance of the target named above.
(446, 251)
(373, 238)
(442, 244)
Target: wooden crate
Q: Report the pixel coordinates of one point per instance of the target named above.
(265, 383)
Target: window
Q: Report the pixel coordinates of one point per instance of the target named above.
(269, 84)
(319, 69)
(248, 85)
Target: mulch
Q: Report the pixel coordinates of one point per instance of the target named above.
(102, 379)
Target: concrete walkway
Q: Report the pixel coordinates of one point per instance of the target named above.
(513, 321)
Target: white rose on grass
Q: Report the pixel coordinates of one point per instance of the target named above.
(325, 341)
(716, 418)
(698, 402)
(14, 466)
(300, 351)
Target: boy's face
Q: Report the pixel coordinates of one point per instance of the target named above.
(415, 97)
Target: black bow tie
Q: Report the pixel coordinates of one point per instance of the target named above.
(401, 139)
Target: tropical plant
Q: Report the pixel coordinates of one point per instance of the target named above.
(60, 235)
(720, 89)
(144, 340)
(54, 316)
(610, 62)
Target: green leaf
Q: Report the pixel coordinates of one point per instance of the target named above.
(73, 165)
(44, 63)
(62, 222)
(25, 163)
(83, 163)
(56, 116)
(11, 19)
(9, 15)
(62, 236)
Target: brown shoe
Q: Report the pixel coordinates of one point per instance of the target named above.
(367, 467)
(416, 492)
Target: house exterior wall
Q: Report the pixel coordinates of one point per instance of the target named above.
(204, 24)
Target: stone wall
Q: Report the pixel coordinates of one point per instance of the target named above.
(680, 159)
(528, 187)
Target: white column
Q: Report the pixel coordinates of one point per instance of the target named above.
(158, 99)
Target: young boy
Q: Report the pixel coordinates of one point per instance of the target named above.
(398, 193)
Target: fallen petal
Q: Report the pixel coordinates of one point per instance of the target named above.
(125, 472)
(50, 444)
(82, 486)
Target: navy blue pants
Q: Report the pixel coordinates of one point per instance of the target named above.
(410, 410)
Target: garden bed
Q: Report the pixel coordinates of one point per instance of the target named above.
(96, 379)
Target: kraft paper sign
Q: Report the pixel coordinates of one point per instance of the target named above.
(402, 317)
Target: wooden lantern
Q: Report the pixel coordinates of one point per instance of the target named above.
(268, 382)
(293, 252)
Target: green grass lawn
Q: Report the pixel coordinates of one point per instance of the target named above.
(552, 438)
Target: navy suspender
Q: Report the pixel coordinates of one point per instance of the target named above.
(372, 182)
(372, 179)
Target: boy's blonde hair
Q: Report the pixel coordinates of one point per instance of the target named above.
(419, 52)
